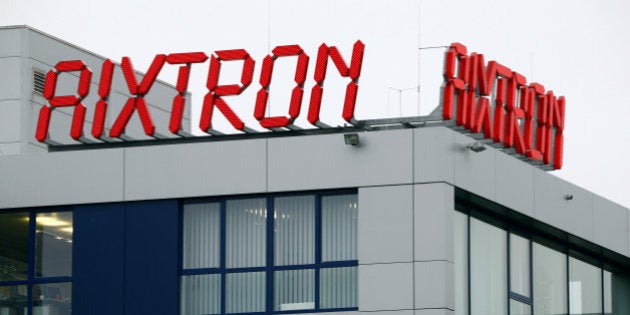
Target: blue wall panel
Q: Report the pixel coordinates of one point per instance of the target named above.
(98, 259)
(151, 258)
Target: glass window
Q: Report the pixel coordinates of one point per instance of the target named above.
(339, 227)
(14, 246)
(245, 292)
(488, 269)
(338, 287)
(585, 288)
(519, 265)
(294, 230)
(550, 281)
(608, 304)
(13, 299)
(52, 298)
(232, 262)
(461, 263)
(246, 233)
(294, 290)
(53, 244)
(201, 294)
(519, 308)
(201, 235)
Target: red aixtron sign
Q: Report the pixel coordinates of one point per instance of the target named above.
(497, 101)
(215, 97)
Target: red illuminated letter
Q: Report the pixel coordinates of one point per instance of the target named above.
(139, 91)
(215, 92)
(455, 61)
(177, 112)
(104, 88)
(296, 95)
(320, 74)
(76, 131)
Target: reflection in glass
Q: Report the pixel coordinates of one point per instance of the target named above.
(585, 288)
(518, 308)
(608, 304)
(338, 288)
(488, 269)
(461, 263)
(201, 235)
(13, 300)
(13, 246)
(245, 234)
(550, 281)
(201, 294)
(52, 298)
(245, 292)
(519, 265)
(294, 290)
(339, 227)
(53, 244)
(294, 237)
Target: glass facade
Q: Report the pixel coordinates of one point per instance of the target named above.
(270, 254)
(499, 271)
(36, 262)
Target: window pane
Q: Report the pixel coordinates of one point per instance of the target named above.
(550, 281)
(519, 265)
(53, 244)
(294, 230)
(294, 290)
(52, 298)
(585, 288)
(338, 287)
(518, 308)
(246, 230)
(13, 246)
(339, 228)
(488, 263)
(461, 263)
(608, 305)
(201, 295)
(245, 292)
(13, 300)
(201, 235)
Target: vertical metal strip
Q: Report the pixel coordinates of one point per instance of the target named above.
(222, 252)
(318, 248)
(269, 274)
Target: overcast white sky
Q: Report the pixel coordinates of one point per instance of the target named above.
(579, 49)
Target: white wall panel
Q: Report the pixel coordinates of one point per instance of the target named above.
(434, 285)
(61, 178)
(385, 224)
(434, 158)
(325, 161)
(475, 171)
(610, 225)
(385, 287)
(574, 216)
(200, 169)
(11, 39)
(433, 221)
(514, 184)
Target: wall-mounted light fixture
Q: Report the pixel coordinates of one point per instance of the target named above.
(351, 138)
(568, 197)
(476, 146)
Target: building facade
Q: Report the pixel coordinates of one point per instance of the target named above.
(409, 220)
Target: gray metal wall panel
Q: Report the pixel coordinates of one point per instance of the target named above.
(574, 216)
(474, 171)
(11, 39)
(61, 178)
(385, 224)
(11, 78)
(434, 205)
(514, 184)
(386, 287)
(323, 162)
(10, 122)
(189, 170)
(610, 225)
(434, 285)
(434, 155)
